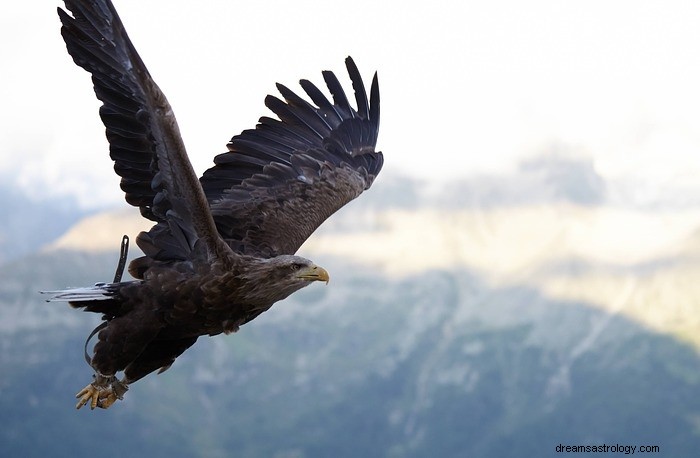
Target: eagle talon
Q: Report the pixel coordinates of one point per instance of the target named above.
(102, 393)
(89, 393)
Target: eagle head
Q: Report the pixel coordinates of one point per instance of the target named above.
(271, 280)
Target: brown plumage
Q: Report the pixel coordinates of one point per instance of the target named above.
(222, 248)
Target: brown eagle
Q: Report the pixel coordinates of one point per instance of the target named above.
(221, 251)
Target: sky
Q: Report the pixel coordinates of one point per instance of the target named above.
(467, 87)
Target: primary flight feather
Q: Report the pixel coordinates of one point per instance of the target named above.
(222, 249)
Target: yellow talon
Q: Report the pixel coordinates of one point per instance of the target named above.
(89, 393)
(102, 393)
(106, 401)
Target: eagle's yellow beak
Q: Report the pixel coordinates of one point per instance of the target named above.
(313, 273)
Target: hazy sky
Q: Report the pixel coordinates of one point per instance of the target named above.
(467, 87)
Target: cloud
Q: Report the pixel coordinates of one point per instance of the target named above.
(552, 177)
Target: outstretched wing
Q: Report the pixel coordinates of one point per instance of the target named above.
(281, 180)
(144, 138)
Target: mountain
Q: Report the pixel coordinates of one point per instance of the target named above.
(431, 364)
(547, 178)
(27, 224)
(493, 331)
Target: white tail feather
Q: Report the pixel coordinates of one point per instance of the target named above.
(99, 292)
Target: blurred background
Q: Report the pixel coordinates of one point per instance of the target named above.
(523, 273)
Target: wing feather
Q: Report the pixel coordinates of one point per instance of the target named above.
(281, 180)
(359, 88)
(340, 101)
(144, 138)
(325, 106)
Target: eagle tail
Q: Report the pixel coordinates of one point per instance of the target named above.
(92, 298)
(99, 292)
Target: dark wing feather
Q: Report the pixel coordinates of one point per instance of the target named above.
(281, 180)
(144, 138)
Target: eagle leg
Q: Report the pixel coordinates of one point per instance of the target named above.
(102, 392)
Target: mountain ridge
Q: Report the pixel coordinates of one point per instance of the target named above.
(440, 362)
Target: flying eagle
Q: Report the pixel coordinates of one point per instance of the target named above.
(221, 251)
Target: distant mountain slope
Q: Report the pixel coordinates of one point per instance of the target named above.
(641, 264)
(28, 224)
(101, 232)
(437, 363)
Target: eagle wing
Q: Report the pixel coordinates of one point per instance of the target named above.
(144, 138)
(281, 180)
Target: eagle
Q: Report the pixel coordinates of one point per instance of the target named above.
(222, 247)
